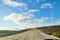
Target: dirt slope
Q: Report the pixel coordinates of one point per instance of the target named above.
(33, 34)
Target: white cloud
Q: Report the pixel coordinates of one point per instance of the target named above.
(31, 11)
(7, 28)
(58, 21)
(24, 22)
(47, 5)
(13, 3)
(25, 15)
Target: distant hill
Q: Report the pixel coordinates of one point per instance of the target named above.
(51, 30)
(6, 33)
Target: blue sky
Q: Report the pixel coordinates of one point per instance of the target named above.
(22, 14)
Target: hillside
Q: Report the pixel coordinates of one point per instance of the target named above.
(4, 33)
(51, 30)
(32, 34)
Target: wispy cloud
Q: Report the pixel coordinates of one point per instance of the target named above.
(25, 20)
(31, 11)
(7, 28)
(47, 5)
(58, 21)
(13, 3)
